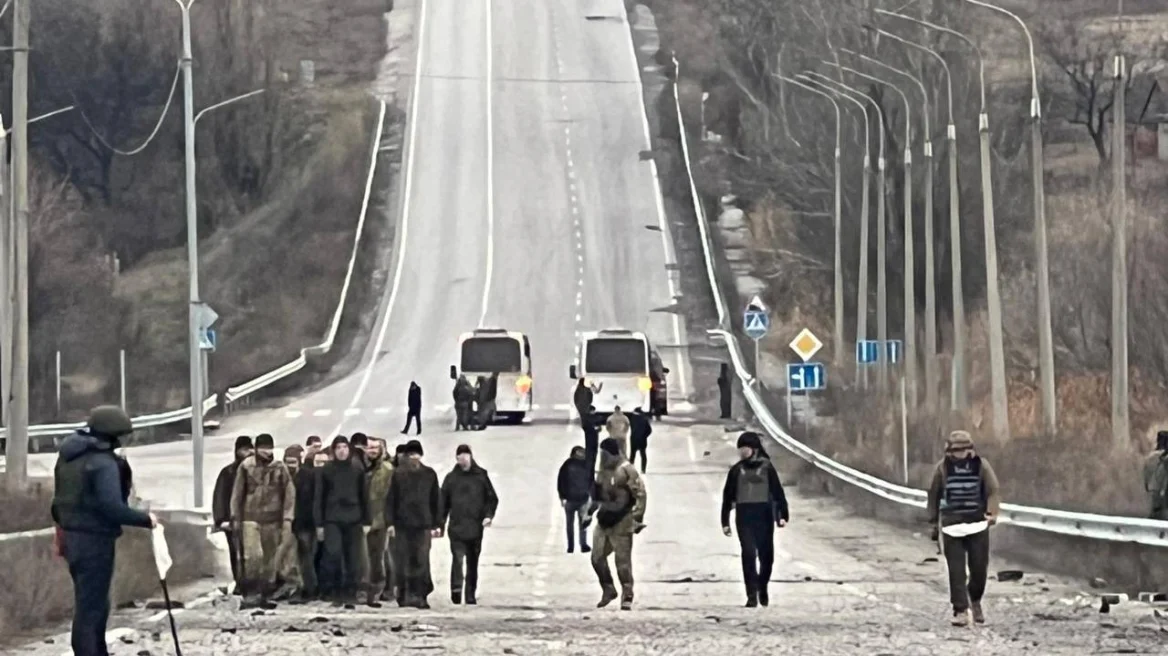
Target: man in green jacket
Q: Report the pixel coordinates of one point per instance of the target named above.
(379, 475)
(963, 503)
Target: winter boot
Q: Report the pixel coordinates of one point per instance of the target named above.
(960, 618)
(371, 600)
(764, 597)
(607, 596)
(627, 601)
(456, 597)
(978, 613)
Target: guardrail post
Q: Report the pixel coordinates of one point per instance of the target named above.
(122, 377)
(58, 367)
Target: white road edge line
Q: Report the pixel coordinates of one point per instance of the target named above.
(420, 47)
(666, 239)
(490, 168)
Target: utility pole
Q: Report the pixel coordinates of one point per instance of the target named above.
(6, 212)
(16, 451)
(195, 304)
(1120, 428)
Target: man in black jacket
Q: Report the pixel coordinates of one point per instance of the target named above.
(754, 491)
(414, 408)
(303, 524)
(413, 511)
(574, 484)
(639, 431)
(469, 500)
(91, 486)
(590, 423)
(221, 503)
(342, 518)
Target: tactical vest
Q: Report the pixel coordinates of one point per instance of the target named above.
(754, 484)
(963, 489)
(69, 485)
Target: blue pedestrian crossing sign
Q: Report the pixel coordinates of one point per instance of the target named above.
(756, 321)
(867, 351)
(208, 340)
(806, 377)
(892, 350)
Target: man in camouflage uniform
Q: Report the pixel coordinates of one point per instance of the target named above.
(263, 503)
(619, 505)
(378, 476)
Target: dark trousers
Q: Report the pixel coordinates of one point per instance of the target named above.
(308, 553)
(575, 512)
(91, 565)
(462, 416)
(756, 535)
(233, 554)
(640, 448)
(973, 550)
(413, 563)
(411, 416)
(341, 573)
(469, 551)
(591, 445)
(724, 397)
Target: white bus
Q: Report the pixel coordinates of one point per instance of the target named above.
(623, 370)
(488, 351)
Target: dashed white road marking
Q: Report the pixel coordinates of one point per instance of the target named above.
(323, 412)
(381, 411)
(352, 412)
(292, 414)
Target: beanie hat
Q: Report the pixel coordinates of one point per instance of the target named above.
(750, 439)
(340, 439)
(243, 442)
(958, 440)
(359, 439)
(399, 449)
(610, 446)
(110, 421)
(414, 446)
(462, 448)
(294, 451)
(264, 441)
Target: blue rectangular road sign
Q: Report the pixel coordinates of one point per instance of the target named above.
(806, 376)
(208, 340)
(756, 323)
(867, 351)
(892, 350)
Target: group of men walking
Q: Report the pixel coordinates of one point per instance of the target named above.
(349, 523)
(474, 405)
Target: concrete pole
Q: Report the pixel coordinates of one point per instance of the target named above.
(1001, 406)
(852, 95)
(1042, 261)
(1120, 426)
(5, 274)
(195, 364)
(58, 380)
(932, 374)
(17, 444)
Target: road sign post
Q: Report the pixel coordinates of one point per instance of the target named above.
(804, 377)
(756, 322)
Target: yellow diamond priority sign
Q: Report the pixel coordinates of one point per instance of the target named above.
(806, 344)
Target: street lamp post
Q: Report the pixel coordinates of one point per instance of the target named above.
(881, 320)
(1001, 418)
(909, 364)
(931, 377)
(959, 399)
(838, 288)
(1042, 265)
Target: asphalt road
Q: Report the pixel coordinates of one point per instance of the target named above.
(530, 207)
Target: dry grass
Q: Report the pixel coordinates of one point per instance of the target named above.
(38, 591)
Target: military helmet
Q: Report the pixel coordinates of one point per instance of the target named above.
(110, 421)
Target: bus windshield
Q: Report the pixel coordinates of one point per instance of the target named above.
(491, 355)
(615, 356)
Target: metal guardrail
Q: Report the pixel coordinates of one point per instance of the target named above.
(240, 391)
(1085, 525)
